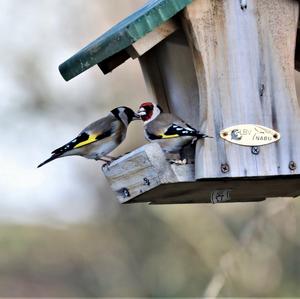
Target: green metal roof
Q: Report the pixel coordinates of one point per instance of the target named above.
(122, 35)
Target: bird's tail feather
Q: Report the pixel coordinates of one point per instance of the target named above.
(200, 136)
(53, 157)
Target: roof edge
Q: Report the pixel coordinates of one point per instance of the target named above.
(122, 35)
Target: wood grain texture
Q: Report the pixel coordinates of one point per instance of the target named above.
(154, 79)
(237, 67)
(297, 51)
(144, 175)
(151, 39)
(258, 189)
(171, 78)
(244, 61)
(142, 170)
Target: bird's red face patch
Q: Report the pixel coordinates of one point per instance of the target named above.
(146, 111)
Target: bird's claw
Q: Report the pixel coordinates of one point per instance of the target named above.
(107, 163)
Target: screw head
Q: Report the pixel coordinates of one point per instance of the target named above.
(125, 192)
(255, 150)
(292, 165)
(225, 168)
(146, 182)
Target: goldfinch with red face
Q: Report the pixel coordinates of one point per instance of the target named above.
(171, 132)
(98, 139)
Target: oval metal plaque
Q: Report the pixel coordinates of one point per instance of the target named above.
(250, 135)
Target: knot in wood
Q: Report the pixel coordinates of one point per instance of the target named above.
(262, 90)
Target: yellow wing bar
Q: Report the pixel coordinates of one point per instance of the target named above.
(92, 138)
(169, 136)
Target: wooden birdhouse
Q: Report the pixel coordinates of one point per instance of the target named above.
(227, 68)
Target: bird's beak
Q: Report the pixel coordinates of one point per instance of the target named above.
(141, 111)
(136, 116)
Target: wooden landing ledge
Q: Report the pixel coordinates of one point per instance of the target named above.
(144, 175)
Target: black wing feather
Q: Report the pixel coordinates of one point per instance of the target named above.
(153, 136)
(181, 131)
(70, 145)
(178, 130)
(80, 138)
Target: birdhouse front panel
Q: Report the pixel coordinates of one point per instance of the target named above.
(236, 69)
(170, 76)
(227, 69)
(245, 70)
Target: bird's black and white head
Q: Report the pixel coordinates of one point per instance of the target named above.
(125, 114)
(148, 111)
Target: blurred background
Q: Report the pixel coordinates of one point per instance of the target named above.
(62, 231)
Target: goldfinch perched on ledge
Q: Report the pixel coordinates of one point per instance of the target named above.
(171, 132)
(98, 139)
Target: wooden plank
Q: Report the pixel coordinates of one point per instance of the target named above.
(154, 79)
(139, 171)
(297, 50)
(109, 64)
(171, 78)
(145, 175)
(151, 39)
(244, 61)
(240, 190)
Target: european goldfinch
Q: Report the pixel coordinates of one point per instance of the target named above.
(171, 132)
(98, 139)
